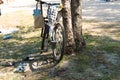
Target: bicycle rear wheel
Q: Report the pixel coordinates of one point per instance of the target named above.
(58, 42)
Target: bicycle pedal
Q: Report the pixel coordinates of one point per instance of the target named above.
(53, 42)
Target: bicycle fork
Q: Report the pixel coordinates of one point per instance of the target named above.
(47, 32)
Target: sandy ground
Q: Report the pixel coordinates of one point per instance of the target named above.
(97, 11)
(17, 6)
(102, 11)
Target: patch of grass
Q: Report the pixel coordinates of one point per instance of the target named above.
(103, 78)
(82, 62)
(16, 47)
(111, 47)
(97, 45)
(45, 78)
(26, 41)
(115, 76)
(117, 34)
(102, 43)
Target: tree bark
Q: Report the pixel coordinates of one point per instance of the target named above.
(70, 44)
(1, 2)
(76, 11)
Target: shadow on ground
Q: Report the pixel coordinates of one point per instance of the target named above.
(100, 61)
(22, 49)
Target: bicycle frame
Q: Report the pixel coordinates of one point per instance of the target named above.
(45, 33)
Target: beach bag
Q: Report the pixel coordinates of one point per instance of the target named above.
(38, 17)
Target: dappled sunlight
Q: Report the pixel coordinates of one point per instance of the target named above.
(104, 43)
(18, 45)
(93, 44)
(64, 64)
(100, 59)
(31, 34)
(102, 35)
(103, 55)
(110, 29)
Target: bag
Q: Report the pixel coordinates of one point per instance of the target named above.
(39, 21)
(38, 18)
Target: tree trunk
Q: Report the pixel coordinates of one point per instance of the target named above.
(1, 2)
(76, 10)
(70, 44)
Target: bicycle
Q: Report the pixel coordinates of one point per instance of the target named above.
(53, 41)
(53, 35)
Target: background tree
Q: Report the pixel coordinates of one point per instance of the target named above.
(1, 2)
(76, 11)
(70, 44)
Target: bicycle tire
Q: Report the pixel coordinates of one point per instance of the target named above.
(59, 38)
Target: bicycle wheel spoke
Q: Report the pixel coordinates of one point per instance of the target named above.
(59, 46)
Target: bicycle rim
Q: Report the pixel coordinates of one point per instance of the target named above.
(59, 38)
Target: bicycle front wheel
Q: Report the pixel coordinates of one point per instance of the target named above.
(58, 42)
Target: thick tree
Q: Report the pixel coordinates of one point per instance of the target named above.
(1, 2)
(70, 44)
(76, 11)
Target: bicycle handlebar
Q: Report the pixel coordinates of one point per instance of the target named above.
(42, 2)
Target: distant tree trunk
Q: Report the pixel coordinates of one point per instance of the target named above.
(1, 2)
(76, 10)
(70, 44)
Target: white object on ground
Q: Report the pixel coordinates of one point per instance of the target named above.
(9, 31)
